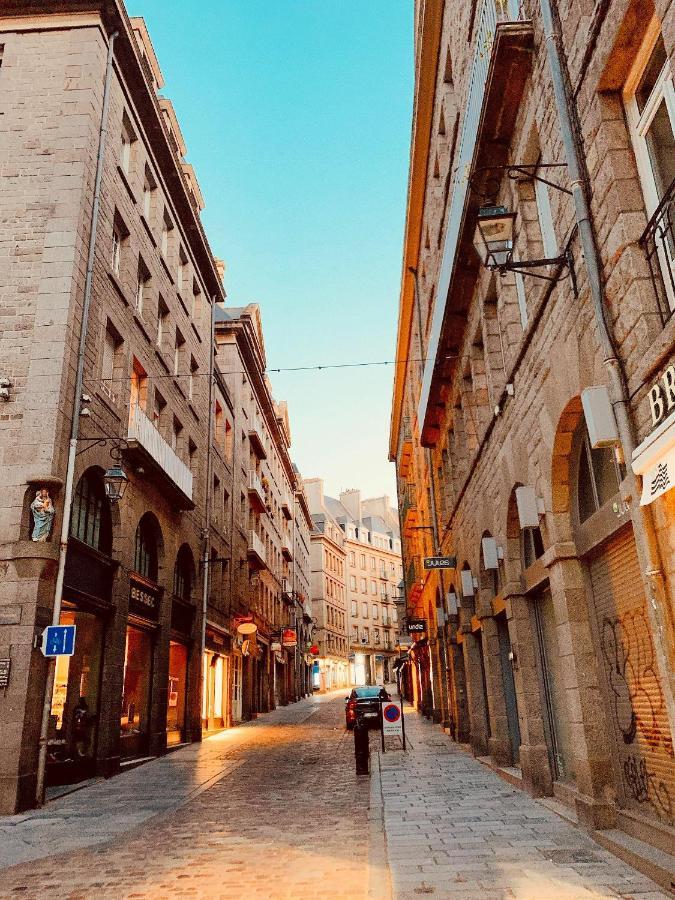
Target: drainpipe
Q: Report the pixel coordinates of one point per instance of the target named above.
(434, 527)
(206, 559)
(644, 530)
(75, 424)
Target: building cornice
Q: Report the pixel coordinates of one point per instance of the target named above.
(425, 95)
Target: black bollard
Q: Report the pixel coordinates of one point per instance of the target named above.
(361, 747)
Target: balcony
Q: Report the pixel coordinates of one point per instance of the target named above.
(286, 550)
(148, 448)
(500, 68)
(413, 585)
(286, 510)
(406, 449)
(257, 558)
(658, 244)
(256, 492)
(409, 511)
(255, 437)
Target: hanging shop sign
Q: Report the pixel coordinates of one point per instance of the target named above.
(314, 650)
(416, 626)
(440, 562)
(144, 600)
(274, 646)
(289, 637)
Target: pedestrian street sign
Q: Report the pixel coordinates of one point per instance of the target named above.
(440, 562)
(58, 640)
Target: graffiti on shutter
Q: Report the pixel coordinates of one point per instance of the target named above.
(637, 705)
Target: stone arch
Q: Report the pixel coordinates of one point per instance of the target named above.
(184, 573)
(149, 539)
(90, 517)
(561, 462)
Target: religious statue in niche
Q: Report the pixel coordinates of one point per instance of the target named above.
(43, 515)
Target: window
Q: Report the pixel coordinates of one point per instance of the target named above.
(149, 188)
(352, 558)
(196, 302)
(167, 228)
(373, 586)
(162, 321)
(649, 97)
(145, 549)
(372, 563)
(364, 610)
(183, 573)
(139, 385)
(178, 346)
(194, 368)
(363, 560)
(192, 455)
(128, 139)
(158, 407)
(366, 636)
(352, 582)
(142, 281)
(182, 274)
(598, 478)
(376, 635)
(363, 586)
(116, 255)
(112, 344)
(176, 430)
(532, 546)
(374, 612)
(355, 608)
(90, 520)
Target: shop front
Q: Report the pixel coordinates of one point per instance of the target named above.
(141, 636)
(216, 712)
(74, 722)
(180, 648)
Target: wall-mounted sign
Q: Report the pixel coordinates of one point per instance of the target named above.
(5, 666)
(289, 637)
(416, 626)
(144, 600)
(275, 645)
(58, 640)
(440, 562)
(662, 395)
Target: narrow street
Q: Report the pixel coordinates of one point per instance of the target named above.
(274, 809)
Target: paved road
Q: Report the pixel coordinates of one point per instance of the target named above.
(274, 810)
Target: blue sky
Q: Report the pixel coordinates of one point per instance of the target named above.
(296, 115)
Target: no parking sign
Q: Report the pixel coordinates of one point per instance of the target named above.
(392, 719)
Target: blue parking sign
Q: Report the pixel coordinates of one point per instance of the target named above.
(58, 640)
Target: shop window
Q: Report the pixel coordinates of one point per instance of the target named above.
(90, 520)
(183, 573)
(145, 549)
(598, 478)
(175, 714)
(134, 719)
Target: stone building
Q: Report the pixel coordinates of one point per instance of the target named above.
(78, 84)
(373, 573)
(524, 407)
(329, 608)
(264, 605)
(302, 588)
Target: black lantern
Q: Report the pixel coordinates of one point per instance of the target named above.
(493, 238)
(115, 482)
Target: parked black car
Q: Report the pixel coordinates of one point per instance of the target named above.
(365, 701)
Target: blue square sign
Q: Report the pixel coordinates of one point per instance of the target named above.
(58, 640)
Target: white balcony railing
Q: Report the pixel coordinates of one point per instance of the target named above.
(256, 547)
(255, 486)
(146, 435)
(485, 35)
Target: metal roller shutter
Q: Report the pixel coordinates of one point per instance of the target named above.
(636, 704)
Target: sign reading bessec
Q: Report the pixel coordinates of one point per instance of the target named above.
(58, 640)
(440, 562)
(392, 719)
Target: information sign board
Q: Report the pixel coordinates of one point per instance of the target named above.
(58, 640)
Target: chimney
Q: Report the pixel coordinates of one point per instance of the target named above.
(351, 500)
(314, 492)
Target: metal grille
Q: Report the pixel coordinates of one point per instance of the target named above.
(658, 243)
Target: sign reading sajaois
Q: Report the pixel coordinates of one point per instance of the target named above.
(654, 459)
(440, 562)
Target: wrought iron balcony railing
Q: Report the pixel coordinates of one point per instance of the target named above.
(658, 243)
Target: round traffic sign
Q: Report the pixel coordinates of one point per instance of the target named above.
(391, 712)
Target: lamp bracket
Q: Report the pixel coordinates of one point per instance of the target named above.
(514, 172)
(522, 266)
(117, 445)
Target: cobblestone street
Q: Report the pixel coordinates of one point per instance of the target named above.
(273, 809)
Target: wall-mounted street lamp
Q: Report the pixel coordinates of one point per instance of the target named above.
(493, 240)
(115, 480)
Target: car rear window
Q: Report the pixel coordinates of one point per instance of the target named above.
(368, 692)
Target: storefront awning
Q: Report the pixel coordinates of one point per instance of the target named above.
(654, 460)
